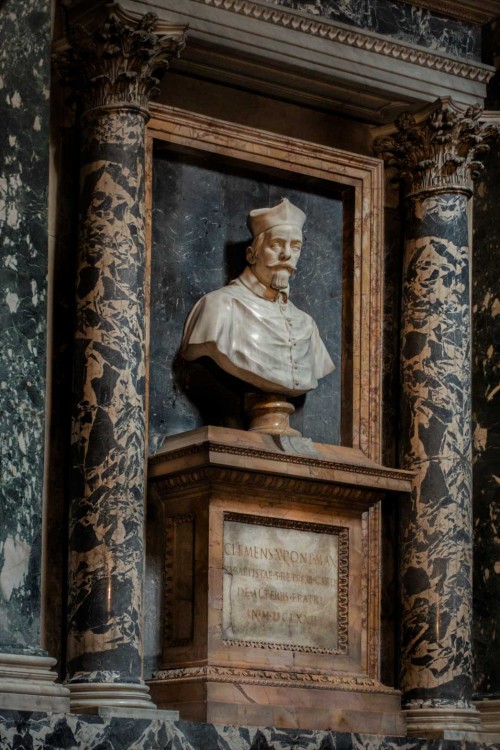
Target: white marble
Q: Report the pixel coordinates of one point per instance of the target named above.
(280, 585)
(250, 328)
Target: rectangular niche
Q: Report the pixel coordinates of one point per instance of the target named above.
(204, 176)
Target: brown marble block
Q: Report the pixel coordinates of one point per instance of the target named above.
(272, 582)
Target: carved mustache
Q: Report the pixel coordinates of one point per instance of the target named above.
(279, 264)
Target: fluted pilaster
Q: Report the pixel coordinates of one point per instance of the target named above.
(113, 69)
(435, 157)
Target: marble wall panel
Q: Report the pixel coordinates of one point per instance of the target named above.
(61, 353)
(199, 242)
(393, 263)
(486, 428)
(35, 731)
(24, 153)
(401, 21)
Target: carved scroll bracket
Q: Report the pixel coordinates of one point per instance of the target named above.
(437, 149)
(114, 58)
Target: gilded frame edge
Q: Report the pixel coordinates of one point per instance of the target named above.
(363, 173)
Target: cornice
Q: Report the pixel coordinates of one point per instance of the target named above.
(252, 453)
(271, 677)
(362, 40)
(471, 11)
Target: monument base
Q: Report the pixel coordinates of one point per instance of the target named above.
(222, 695)
(446, 723)
(490, 719)
(272, 582)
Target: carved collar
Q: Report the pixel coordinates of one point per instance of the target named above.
(250, 280)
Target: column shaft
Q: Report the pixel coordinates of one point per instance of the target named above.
(436, 525)
(112, 66)
(435, 155)
(106, 521)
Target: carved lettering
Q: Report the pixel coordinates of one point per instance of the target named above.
(286, 556)
(280, 585)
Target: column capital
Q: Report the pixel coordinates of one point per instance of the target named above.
(115, 57)
(437, 149)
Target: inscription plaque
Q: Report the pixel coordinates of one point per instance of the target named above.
(282, 584)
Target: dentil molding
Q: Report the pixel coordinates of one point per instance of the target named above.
(354, 38)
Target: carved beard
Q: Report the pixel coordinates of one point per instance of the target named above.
(280, 279)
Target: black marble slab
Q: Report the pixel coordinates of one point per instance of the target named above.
(34, 731)
(401, 21)
(199, 240)
(24, 164)
(486, 428)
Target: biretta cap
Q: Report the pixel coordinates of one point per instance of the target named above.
(261, 219)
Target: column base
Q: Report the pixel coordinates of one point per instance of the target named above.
(490, 719)
(444, 723)
(27, 683)
(90, 697)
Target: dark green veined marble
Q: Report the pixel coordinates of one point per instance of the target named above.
(24, 162)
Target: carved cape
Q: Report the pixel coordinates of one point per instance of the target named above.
(269, 343)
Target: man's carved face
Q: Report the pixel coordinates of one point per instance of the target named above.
(275, 254)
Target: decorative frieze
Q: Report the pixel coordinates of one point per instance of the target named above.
(274, 677)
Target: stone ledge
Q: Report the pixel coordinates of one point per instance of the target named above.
(28, 682)
(76, 732)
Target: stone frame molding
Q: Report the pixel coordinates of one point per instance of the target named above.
(364, 176)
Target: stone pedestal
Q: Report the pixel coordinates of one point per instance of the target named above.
(490, 720)
(271, 591)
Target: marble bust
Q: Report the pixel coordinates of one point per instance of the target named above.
(250, 328)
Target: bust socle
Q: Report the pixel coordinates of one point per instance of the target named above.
(250, 328)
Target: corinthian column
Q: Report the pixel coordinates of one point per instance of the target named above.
(435, 155)
(112, 67)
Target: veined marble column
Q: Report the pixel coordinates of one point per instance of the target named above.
(112, 66)
(435, 156)
(27, 681)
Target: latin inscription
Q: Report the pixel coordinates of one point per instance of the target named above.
(280, 585)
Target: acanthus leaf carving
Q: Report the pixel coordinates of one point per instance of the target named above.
(438, 149)
(120, 62)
